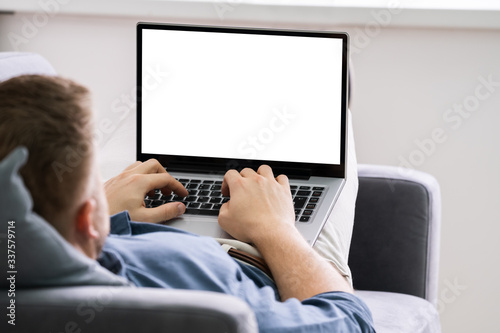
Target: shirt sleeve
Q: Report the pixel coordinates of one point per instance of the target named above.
(327, 312)
(350, 311)
(120, 224)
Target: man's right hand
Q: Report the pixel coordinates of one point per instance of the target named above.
(260, 211)
(260, 204)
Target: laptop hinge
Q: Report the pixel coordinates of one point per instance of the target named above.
(294, 173)
(290, 173)
(192, 170)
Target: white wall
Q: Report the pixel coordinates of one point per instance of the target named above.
(406, 80)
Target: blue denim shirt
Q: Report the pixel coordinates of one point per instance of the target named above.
(153, 255)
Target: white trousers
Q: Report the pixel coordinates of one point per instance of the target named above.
(335, 239)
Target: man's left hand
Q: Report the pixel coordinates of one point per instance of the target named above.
(127, 191)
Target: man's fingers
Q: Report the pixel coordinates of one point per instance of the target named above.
(266, 171)
(232, 175)
(247, 172)
(229, 178)
(283, 180)
(133, 165)
(161, 213)
(164, 181)
(223, 211)
(150, 166)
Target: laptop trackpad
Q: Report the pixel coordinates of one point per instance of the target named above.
(201, 225)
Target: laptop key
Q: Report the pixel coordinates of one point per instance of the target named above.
(203, 199)
(304, 193)
(304, 219)
(299, 202)
(317, 194)
(157, 203)
(167, 198)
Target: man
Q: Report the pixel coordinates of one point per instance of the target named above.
(51, 116)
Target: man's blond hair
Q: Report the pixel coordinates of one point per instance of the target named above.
(51, 116)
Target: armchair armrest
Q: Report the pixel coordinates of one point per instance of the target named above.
(395, 242)
(127, 309)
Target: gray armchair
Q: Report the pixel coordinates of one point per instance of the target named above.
(394, 253)
(394, 257)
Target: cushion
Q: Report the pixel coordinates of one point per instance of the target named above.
(400, 313)
(40, 255)
(392, 224)
(19, 63)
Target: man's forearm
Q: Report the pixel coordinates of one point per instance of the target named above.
(261, 212)
(298, 270)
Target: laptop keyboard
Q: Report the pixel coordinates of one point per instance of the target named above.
(205, 198)
(305, 200)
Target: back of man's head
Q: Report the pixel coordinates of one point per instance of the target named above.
(51, 116)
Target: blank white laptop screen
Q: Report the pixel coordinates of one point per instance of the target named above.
(242, 96)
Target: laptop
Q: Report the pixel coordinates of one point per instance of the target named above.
(212, 99)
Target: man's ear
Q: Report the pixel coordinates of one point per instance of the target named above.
(85, 219)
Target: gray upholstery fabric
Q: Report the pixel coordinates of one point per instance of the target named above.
(399, 313)
(42, 256)
(395, 244)
(19, 63)
(395, 248)
(128, 310)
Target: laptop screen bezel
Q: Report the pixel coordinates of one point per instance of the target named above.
(221, 165)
